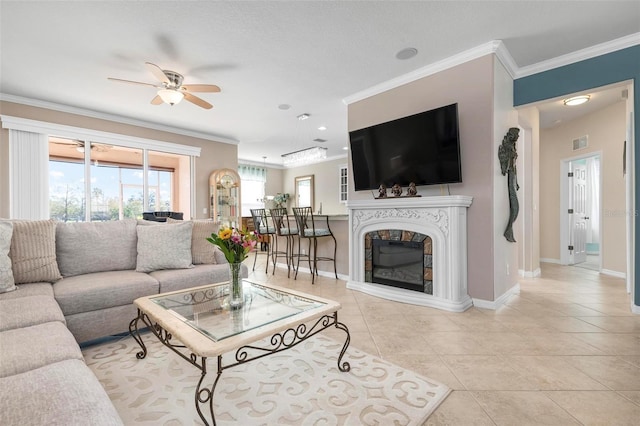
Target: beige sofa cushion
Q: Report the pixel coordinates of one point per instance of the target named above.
(28, 311)
(88, 247)
(33, 251)
(164, 247)
(6, 274)
(202, 251)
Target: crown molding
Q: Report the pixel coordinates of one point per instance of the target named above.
(498, 48)
(580, 55)
(114, 118)
(436, 67)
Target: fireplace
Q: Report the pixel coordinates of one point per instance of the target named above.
(399, 259)
(411, 249)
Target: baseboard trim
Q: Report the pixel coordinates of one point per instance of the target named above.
(500, 301)
(635, 308)
(548, 260)
(530, 274)
(613, 273)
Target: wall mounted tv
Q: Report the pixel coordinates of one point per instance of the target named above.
(423, 148)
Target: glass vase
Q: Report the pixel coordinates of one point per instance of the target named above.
(236, 298)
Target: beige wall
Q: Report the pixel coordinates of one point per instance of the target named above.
(471, 86)
(326, 178)
(529, 154)
(606, 130)
(214, 155)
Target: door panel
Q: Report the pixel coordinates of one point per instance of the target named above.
(579, 217)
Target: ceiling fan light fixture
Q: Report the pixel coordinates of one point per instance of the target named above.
(170, 96)
(577, 100)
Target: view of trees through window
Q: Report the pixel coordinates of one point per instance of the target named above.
(116, 186)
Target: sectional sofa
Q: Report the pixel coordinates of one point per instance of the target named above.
(64, 284)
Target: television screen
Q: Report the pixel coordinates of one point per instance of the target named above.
(423, 148)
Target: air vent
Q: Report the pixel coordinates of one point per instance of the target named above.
(581, 143)
(319, 140)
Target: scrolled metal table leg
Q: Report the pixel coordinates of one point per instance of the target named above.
(345, 366)
(135, 333)
(204, 395)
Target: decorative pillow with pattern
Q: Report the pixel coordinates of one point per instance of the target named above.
(6, 274)
(202, 251)
(33, 251)
(164, 247)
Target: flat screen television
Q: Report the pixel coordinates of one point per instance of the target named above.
(423, 148)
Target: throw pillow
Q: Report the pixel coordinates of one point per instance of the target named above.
(202, 251)
(164, 247)
(33, 251)
(6, 274)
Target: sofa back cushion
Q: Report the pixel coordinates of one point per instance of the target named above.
(202, 251)
(164, 247)
(33, 251)
(6, 275)
(88, 247)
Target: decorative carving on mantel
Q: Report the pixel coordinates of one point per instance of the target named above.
(439, 218)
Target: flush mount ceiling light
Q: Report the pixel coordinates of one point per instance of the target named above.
(303, 116)
(577, 100)
(407, 53)
(304, 156)
(170, 96)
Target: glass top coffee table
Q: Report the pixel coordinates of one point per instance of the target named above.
(203, 325)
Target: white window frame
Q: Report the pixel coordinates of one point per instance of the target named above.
(343, 188)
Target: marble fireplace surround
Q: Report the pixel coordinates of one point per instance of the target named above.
(443, 218)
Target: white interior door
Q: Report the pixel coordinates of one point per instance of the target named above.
(579, 216)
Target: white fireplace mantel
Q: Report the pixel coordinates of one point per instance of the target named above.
(443, 218)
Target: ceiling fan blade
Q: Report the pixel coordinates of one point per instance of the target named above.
(157, 72)
(119, 80)
(157, 100)
(201, 88)
(196, 100)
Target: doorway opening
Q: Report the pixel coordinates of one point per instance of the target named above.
(581, 207)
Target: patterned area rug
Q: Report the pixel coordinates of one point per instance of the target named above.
(300, 386)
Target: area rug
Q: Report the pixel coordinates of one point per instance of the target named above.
(300, 386)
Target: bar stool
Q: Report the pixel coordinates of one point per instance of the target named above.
(261, 224)
(283, 229)
(312, 227)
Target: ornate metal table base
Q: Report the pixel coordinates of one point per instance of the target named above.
(278, 343)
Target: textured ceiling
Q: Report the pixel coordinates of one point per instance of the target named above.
(310, 55)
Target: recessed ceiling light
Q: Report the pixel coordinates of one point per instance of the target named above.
(322, 128)
(345, 148)
(284, 106)
(577, 100)
(320, 140)
(303, 116)
(407, 53)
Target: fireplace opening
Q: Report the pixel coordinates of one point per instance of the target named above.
(398, 264)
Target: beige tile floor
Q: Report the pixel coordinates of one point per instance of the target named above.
(565, 351)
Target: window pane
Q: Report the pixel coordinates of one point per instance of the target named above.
(169, 183)
(66, 181)
(114, 168)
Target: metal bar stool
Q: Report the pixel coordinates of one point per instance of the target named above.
(263, 227)
(283, 229)
(312, 227)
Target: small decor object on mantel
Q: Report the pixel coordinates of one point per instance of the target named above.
(508, 155)
(235, 245)
(382, 191)
(412, 191)
(396, 190)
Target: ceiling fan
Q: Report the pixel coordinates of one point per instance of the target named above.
(171, 90)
